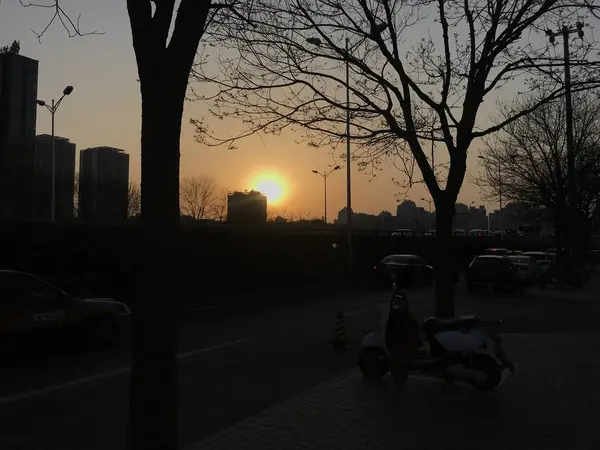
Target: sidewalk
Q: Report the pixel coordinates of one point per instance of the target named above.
(550, 404)
(590, 292)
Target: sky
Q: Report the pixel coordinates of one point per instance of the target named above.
(104, 109)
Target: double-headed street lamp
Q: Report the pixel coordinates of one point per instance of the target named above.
(52, 108)
(325, 175)
(565, 31)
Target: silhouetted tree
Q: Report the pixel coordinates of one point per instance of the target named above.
(165, 43)
(527, 161)
(219, 206)
(198, 196)
(134, 199)
(284, 68)
(76, 195)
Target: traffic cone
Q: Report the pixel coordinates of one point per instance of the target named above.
(340, 340)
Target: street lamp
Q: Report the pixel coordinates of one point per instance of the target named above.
(317, 42)
(565, 31)
(325, 175)
(52, 108)
(375, 31)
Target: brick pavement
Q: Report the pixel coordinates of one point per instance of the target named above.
(551, 403)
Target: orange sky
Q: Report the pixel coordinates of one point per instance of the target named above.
(104, 109)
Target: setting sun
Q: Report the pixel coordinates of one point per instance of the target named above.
(270, 185)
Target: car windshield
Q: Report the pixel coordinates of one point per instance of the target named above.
(402, 259)
(537, 256)
(519, 259)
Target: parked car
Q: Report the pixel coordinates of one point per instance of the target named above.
(527, 269)
(594, 256)
(478, 232)
(403, 232)
(34, 312)
(492, 272)
(407, 270)
(497, 251)
(543, 259)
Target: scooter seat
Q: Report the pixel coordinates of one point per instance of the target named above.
(437, 324)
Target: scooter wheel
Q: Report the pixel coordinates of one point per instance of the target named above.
(488, 373)
(373, 363)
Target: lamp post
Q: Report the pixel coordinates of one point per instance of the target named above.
(325, 175)
(53, 108)
(317, 42)
(377, 29)
(565, 31)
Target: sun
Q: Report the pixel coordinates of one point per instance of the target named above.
(270, 185)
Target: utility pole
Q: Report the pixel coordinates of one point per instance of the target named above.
(571, 232)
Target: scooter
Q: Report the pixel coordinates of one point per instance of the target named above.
(453, 349)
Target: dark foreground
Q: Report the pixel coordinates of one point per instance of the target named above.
(236, 363)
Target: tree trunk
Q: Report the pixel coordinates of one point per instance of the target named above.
(445, 269)
(153, 386)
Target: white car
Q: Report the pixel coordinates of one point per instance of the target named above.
(543, 259)
(528, 270)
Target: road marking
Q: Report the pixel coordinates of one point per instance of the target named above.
(112, 373)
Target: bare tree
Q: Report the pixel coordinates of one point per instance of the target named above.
(76, 195)
(165, 42)
(527, 161)
(219, 206)
(407, 87)
(198, 196)
(134, 199)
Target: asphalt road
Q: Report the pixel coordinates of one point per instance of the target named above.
(232, 364)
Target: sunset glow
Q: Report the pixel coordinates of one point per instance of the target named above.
(270, 185)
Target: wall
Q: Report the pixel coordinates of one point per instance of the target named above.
(105, 261)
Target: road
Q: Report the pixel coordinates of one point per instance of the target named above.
(232, 364)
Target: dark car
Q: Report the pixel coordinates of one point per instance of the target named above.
(497, 251)
(492, 272)
(34, 313)
(407, 270)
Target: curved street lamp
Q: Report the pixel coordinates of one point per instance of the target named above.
(52, 108)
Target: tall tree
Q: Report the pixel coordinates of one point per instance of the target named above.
(165, 43)
(417, 71)
(527, 161)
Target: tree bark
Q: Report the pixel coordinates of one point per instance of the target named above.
(153, 386)
(445, 269)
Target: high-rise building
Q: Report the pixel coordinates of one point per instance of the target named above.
(103, 185)
(64, 163)
(247, 208)
(18, 94)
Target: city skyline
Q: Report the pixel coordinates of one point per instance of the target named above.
(105, 109)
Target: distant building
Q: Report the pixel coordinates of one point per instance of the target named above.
(478, 218)
(103, 185)
(18, 94)
(64, 162)
(247, 208)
